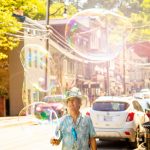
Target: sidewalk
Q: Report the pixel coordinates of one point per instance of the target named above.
(14, 121)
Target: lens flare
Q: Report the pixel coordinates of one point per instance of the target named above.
(96, 34)
(139, 60)
(39, 68)
(39, 114)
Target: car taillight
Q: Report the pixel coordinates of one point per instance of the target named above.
(148, 114)
(87, 113)
(130, 117)
(127, 133)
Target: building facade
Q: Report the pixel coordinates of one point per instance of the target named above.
(56, 68)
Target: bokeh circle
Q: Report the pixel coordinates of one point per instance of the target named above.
(39, 68)
(39, 114)
(96, 34)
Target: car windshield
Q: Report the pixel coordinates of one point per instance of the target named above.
(110, 106)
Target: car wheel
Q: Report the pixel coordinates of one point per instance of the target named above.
(137, 140)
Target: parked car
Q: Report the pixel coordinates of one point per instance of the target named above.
(145, 90)
(145, 103)
(118, 118)
(45, 110)
(142, 95)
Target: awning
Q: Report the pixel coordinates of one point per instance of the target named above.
(142, 49)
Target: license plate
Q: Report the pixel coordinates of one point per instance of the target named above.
(107, 118)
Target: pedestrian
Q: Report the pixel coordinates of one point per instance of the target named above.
(76, 130)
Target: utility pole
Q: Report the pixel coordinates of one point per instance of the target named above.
(47, 43)
(77, 5)
(108, 62)
(47, 12)
(124, 65)
(107, 76)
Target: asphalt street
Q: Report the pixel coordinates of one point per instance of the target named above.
(24, 134)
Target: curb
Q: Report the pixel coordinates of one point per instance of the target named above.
(14, 121)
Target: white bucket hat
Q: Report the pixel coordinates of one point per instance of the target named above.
(74, 92)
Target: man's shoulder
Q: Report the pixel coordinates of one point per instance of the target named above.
(85, 117)
(63, 118)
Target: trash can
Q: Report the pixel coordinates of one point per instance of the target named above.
(146, 125)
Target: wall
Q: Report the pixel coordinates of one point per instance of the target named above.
(15, 81)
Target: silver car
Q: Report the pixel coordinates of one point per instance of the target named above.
(118, 118)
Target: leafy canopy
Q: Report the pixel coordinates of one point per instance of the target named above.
(9, 25)
(57, 10)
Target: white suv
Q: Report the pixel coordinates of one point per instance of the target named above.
(118, 118)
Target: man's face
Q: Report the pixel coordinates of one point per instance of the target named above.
(73, 104)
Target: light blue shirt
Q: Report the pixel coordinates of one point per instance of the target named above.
(84, 129)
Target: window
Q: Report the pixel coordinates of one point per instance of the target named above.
(110, 106)
(36, 58)
(70, 67)
(80, 68)
(30, 58)
(95, 42)
(29, 96)
(145, 105)
(65, 66)
(137, 106)
(41, 61)
(36, 96)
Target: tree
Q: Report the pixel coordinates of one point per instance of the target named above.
(100, 4)
(35, 9)
(136, 10)
(9, 25)
(32, 8)
(57, 10)
(141, 23)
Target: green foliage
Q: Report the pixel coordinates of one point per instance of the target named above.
(141, 23)
(3, 56)
(3, 91)
(107, 4)
(138, 11)
(35, 9)
(57, 10)
(9, 25)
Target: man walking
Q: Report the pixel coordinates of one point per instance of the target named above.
(76, 130)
